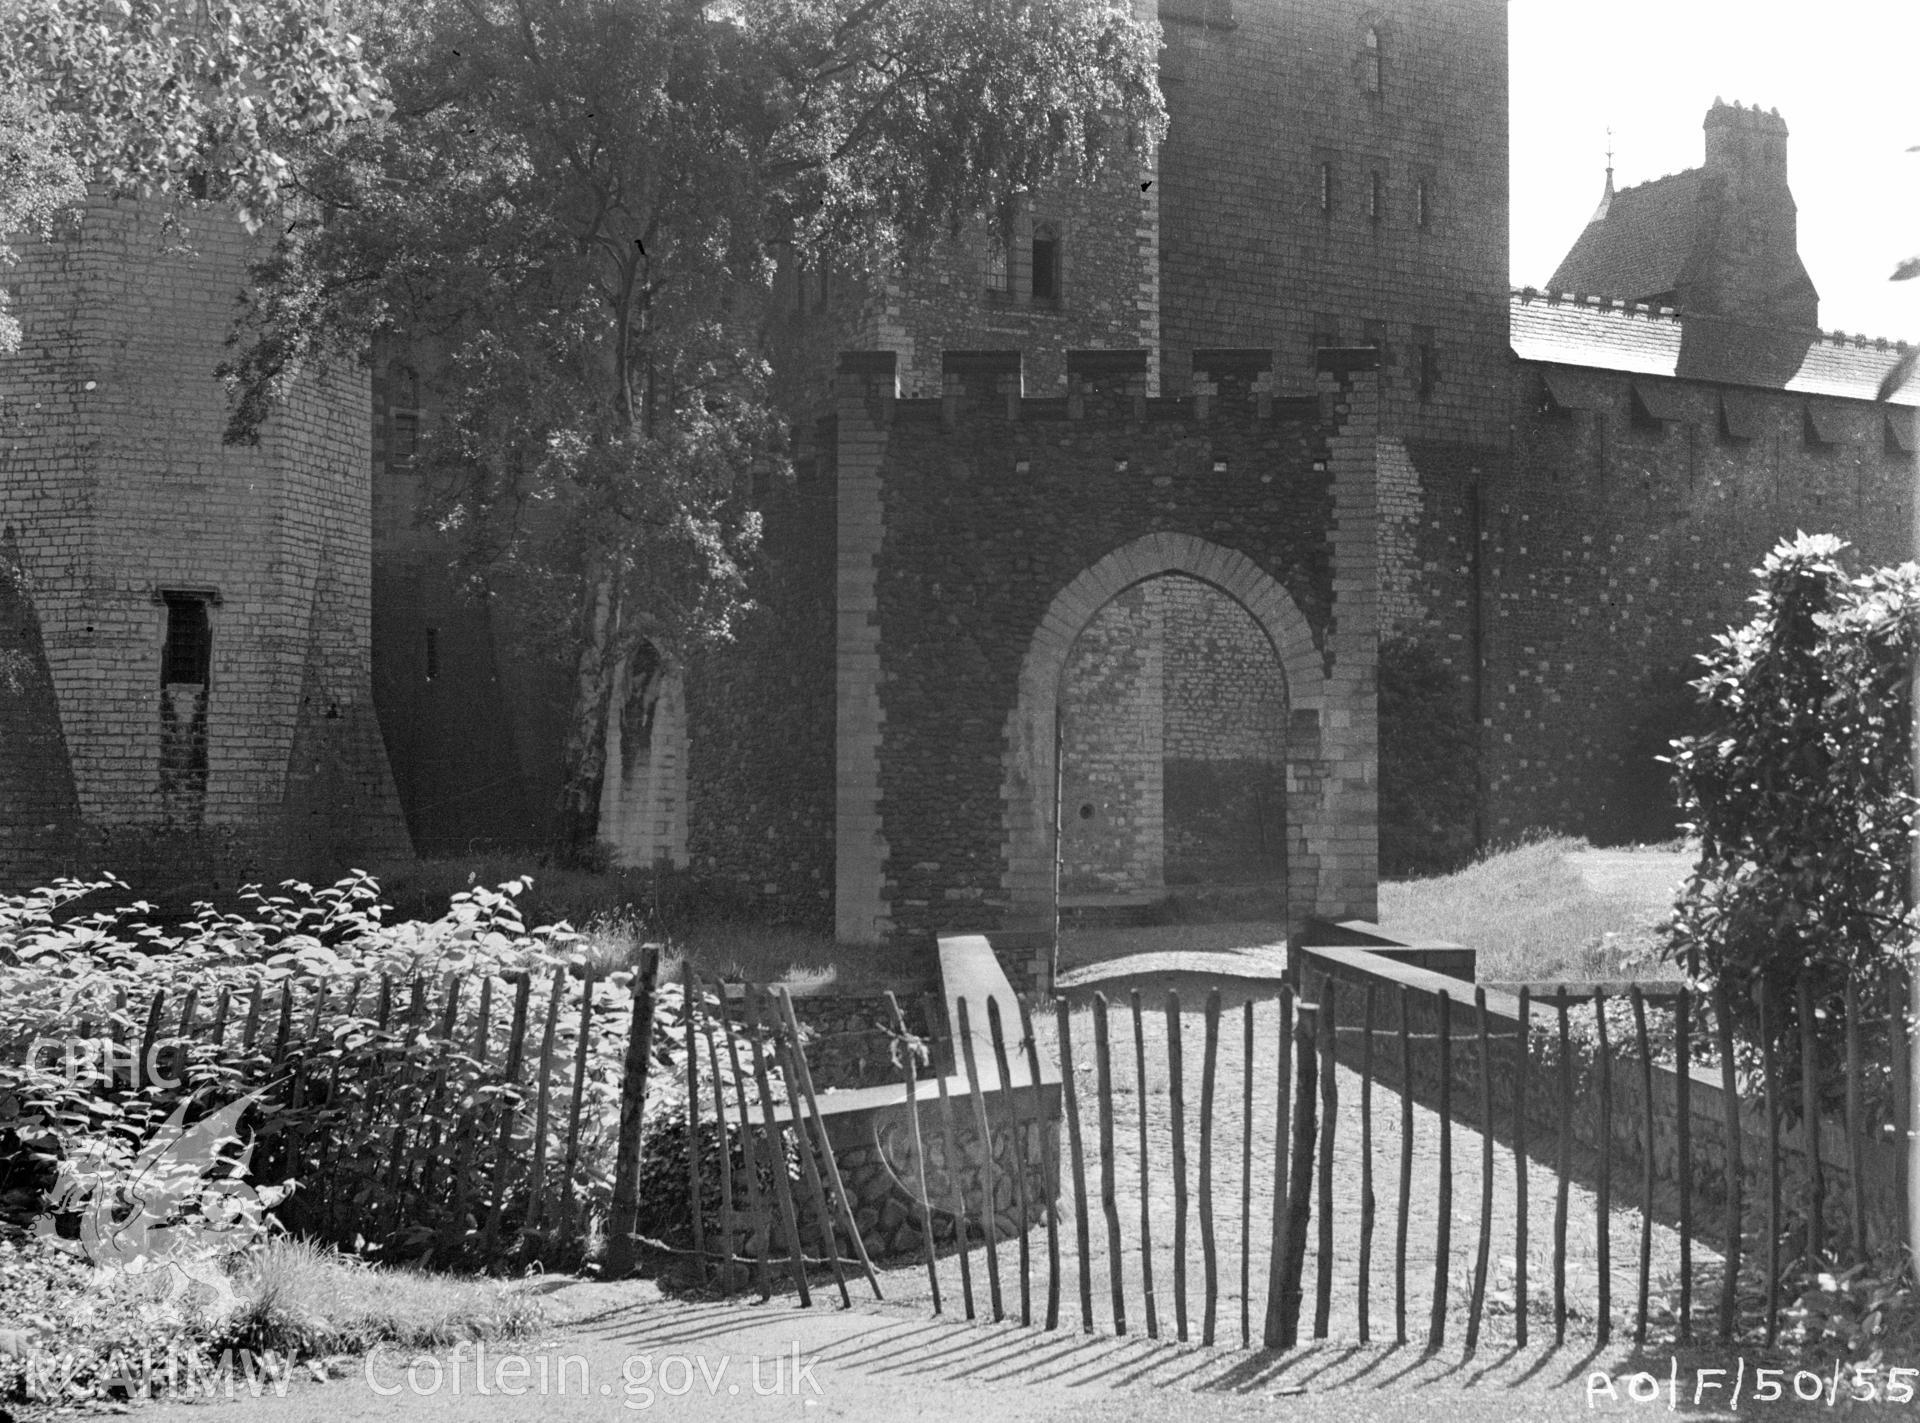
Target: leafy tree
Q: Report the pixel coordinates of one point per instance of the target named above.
(183, 99)
(1801, 793)
(37, 180)
(575, 210)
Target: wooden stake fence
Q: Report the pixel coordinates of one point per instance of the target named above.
(472, 1119)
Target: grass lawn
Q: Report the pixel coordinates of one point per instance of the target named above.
(296, 1295)
(71, 1335)
(1551, 908)
(1548, 909)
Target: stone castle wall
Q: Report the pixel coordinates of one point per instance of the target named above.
(760, 797)
(1226, 694)
(1113, 729)
(1616, 551)
(1313, 195)
(472, 704)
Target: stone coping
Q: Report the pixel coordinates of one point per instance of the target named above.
(851, 1101)
(1260, 963)
(970, 968)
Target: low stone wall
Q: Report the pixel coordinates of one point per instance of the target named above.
(873, 1148)
(877, 1163)
(849, 1039)
(1626, 1141)
(849, 1036)
(1026, 956)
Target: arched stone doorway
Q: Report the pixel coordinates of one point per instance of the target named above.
(1031, 786)
(1173, 754)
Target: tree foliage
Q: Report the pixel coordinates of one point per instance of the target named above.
(171, 96)
(1801, 793)
(573, 214)
(164, 97)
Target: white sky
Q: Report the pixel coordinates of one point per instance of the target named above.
(1845, 75)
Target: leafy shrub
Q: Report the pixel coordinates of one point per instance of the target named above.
(665, 1212)
(1860, 1313)
(1801, 797)
(364, 1067)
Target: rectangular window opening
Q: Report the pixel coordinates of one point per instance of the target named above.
(1046, 269)
(186, 657)
(1374, 195)
(1326, 186)
(433, 653)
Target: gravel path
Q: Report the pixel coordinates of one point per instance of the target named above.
(1230, 1133)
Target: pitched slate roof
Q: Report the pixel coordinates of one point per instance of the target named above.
(1615, 335)
(1637, 246)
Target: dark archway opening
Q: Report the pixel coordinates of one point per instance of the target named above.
(1173, 753)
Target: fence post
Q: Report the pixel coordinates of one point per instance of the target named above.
(1109, 1200)
(1017, 1139)
(1909, 1058)
(689, 1003)
(1443, 1229)
(510, 1106)
(1476, 1301)
(843, 1204)
(910, 1072)
(1683, 1076)
(1271, 1321)
(1810, 1123)
(729, 1216)
(1209, 1253)
(1070, 1105)
(1773, 1163)
(1603, 1195)
(1177, 1107)
(625, 1213)
(1049, 1160)
(1329, 1118)
(1300, 1180)
(1146, 1174)
(1736, 1166)
(983, 1130)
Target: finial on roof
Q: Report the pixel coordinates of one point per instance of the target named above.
(1606, 198)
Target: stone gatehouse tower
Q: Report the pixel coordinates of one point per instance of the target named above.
(965, 544)
(185, 642)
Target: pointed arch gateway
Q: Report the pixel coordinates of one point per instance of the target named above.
(1029, 786)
